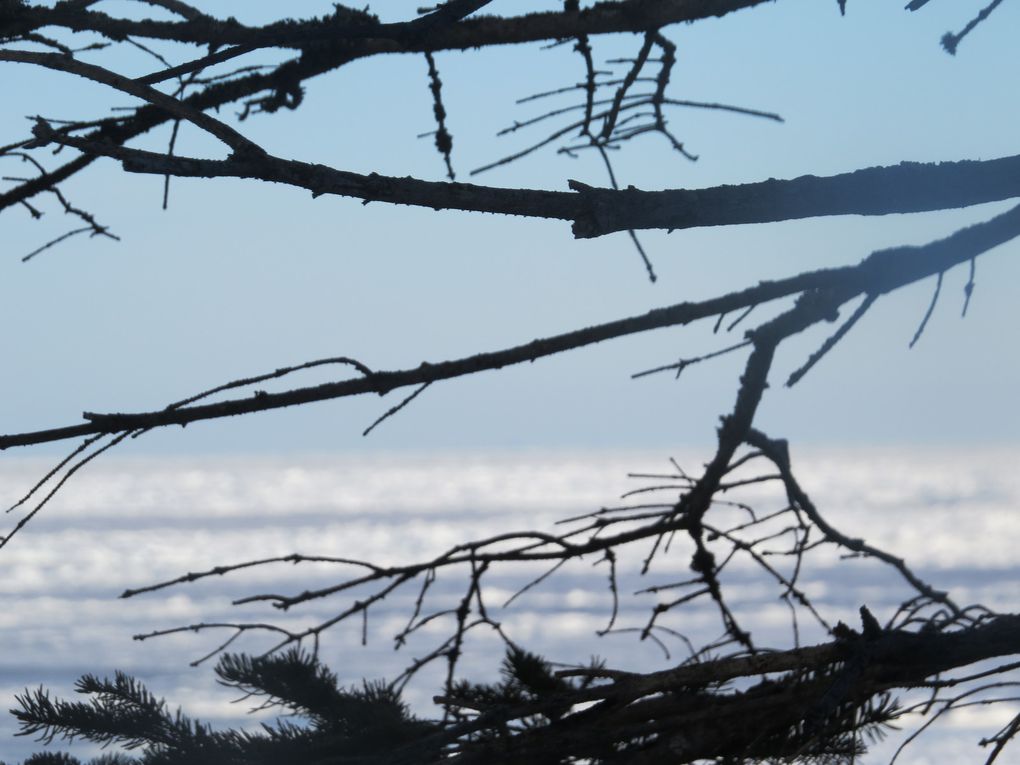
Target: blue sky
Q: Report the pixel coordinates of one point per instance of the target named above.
(240, 278)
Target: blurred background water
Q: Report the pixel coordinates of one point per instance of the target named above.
(128, 522)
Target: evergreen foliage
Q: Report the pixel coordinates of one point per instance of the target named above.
(531, 714)
(338, 725)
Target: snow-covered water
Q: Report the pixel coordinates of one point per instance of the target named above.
(129, 522)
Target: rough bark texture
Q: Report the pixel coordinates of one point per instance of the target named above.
(905, 188)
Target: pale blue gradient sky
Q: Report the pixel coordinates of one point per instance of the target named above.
(240, 278)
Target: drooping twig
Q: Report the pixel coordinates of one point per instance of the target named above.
(929, 312)
(394, 409)
(831, 341)
(776, 450)
(91, 227)
(23, 521)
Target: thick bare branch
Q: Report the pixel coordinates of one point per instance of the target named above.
(695, 723)
(904, 188)
(347, 26)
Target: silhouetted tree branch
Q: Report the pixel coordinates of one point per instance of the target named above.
(905, 188)
(731, 700)
(881, 272)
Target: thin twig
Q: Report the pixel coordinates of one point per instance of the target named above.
(928, 313)
(394, 409)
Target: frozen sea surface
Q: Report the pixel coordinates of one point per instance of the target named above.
(130, 522)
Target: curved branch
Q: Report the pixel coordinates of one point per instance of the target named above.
(776, 450)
